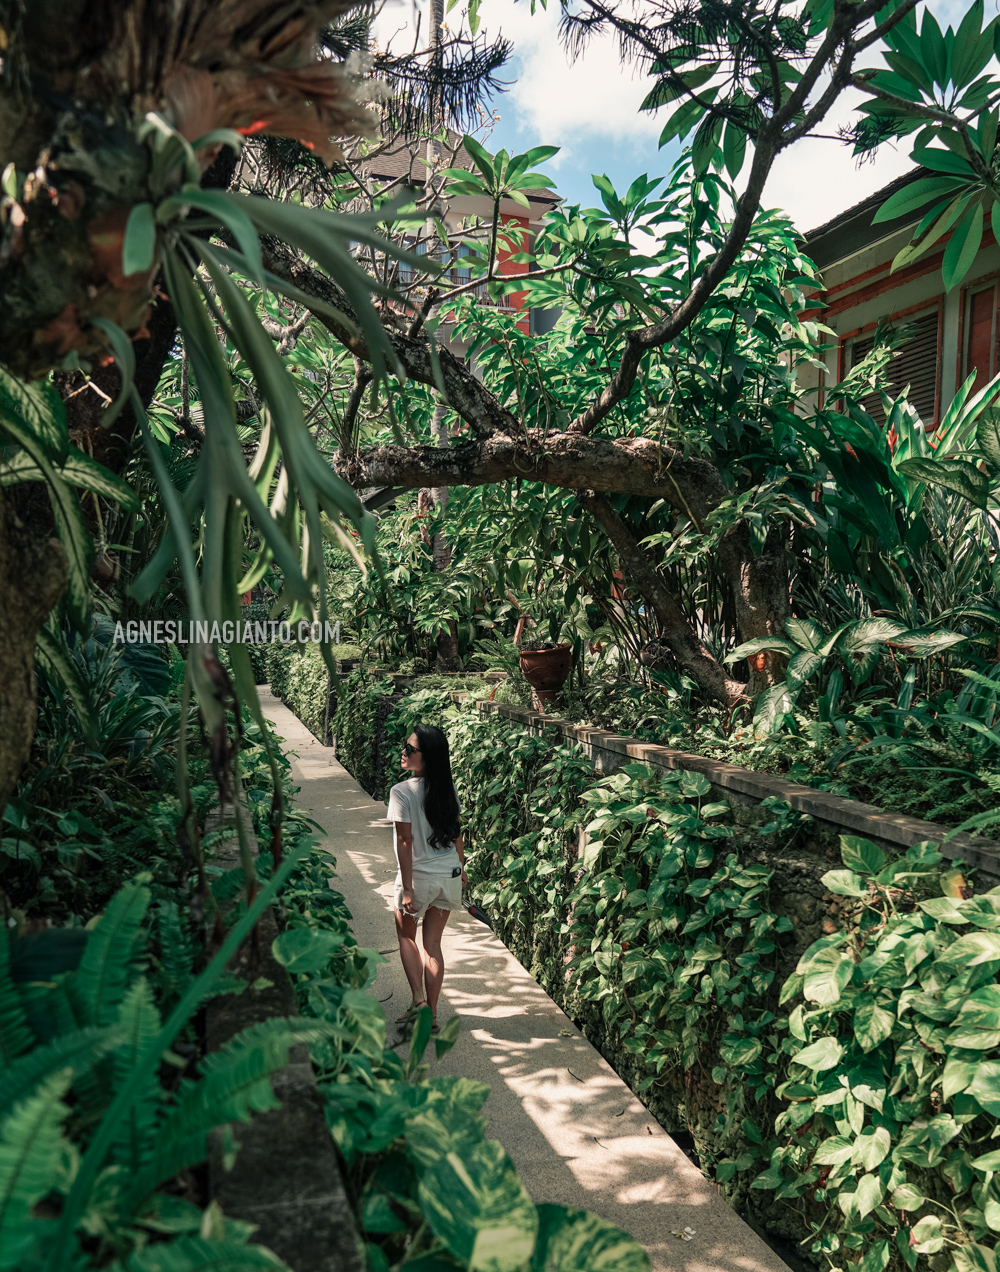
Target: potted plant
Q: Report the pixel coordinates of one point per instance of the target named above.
(546, 667)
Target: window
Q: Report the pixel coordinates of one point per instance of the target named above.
(461, 273)
(408, 272)
(979, 333)
(913, 363)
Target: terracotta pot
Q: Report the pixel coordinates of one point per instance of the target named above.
(547, 670)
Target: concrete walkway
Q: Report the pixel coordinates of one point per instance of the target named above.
(576, 1133)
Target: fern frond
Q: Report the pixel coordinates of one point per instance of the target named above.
(177, 954)
(55, 1013)
(171, 1154)
(194, 1254)
(15, 1033)
(50, 1012)
(140, 1023)
(235, 1081)
(30, 1138)
(235, 1084)
(110, 959)
(77, 1051)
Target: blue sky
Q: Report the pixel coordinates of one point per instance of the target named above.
(590, 109)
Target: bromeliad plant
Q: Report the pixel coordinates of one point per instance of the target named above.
(126, 193)
(309, 503)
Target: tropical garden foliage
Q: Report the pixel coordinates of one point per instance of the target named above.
(224, 341)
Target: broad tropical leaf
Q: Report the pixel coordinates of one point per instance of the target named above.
(960, 475)
(914, 196)
(988, 437)
(572, 1240)
(195, 1254)
(771, 709)
(760, 645)
(36, 406)
(805, 633)
(476, 1204)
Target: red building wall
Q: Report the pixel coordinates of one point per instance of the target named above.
(517, 227)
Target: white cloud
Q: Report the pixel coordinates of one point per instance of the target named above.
(815, 180)
(580, 106)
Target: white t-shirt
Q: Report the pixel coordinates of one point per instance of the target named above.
(406, 800)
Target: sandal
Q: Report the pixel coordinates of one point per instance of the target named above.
(410, 1012)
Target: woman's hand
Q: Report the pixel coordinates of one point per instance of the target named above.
(409, 903)
(465, 879)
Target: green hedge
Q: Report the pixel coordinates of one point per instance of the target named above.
(298, 676)
(359, 725)
(833, 1050)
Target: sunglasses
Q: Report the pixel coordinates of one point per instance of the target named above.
(410, 750)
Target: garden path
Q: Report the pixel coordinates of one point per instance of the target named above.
(576, 1133)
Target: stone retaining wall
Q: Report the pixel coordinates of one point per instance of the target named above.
(834, 815)
(286, 1178)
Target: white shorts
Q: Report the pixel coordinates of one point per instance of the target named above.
(430, 888)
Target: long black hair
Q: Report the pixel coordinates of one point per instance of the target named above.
(440, 804)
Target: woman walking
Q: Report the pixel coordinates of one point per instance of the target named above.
(427, 832)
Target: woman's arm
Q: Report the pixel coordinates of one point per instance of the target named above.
(404, 851)
(460, 849)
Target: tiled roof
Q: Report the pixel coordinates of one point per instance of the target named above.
(871, 203)
(854, 229)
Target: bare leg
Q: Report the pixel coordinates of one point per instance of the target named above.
(406, 934)
(434, 924)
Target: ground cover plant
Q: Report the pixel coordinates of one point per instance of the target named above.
(107, 1098)
(822, 1022)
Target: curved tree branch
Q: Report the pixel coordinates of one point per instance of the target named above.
(468, 396)
(628, 465)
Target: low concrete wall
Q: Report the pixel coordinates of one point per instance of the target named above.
(286, 1178)
(835, 814)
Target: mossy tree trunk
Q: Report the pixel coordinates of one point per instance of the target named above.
(32, 576)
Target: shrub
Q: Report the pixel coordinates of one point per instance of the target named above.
(423, 1178)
